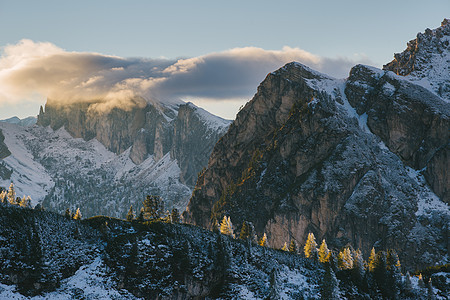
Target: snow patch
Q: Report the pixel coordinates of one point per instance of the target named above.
(428, 202)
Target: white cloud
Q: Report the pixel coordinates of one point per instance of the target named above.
(28, 69)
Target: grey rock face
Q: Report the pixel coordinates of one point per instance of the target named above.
(147, 129)
(301, 157)
(4, 152)
(411, 121)
(168, 146)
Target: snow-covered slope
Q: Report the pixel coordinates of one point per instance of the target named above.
(71, 172)
(61, 171)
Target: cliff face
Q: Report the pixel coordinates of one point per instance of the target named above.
(345, 159)
(104, 162)
(4, 151)
(147, 129)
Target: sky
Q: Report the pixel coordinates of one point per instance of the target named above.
(213, 53)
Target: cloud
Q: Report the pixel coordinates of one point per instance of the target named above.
(32, 68)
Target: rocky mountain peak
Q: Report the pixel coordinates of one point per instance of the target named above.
(360, 161)
(426, 60)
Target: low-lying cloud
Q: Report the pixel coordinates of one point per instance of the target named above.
(29, 70)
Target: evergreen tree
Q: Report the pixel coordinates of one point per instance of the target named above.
(67, 214)
(421, 284)
(226, 227)
(329, 284)
(25, 202)
(358, 267)
(285, 247)
(11, 196)
(394, 280)
(215, 226)
(380, 273)
(175, 216)
(274, 289)
(263, 241)
(153, 206)
(430, 292)
(130, 215)
(324, 252)
(407, 285)
(293, 247)
(77, 215)
(245, 231)
(311, 246)
(140, 217)
(372, 259)
(3, 197)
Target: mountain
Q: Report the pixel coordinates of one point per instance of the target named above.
(361, 161)
(105, 161)
(22, 122)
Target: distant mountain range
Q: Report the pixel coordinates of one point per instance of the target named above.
(104, 163)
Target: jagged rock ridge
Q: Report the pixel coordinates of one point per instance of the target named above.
(426, 60)
(356, 161)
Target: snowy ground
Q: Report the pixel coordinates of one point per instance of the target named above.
(68, 170)
(89, 282)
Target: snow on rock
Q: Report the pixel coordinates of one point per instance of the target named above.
(30, 178)
(66, 172)
(213, 122)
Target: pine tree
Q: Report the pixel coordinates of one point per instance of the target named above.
(263, 241)
(421, 284)
(25, 202)
(226, 227)
(245, 231)
(347, 259)
(380, 273)
(77, 215)
(67, 214)
(394, 279)
(311, 246)
(285, 247)
(153, 206)
(215, 226)
(372, 259)
(140, 217)
(324, 252)
(175, 216)
(3, 197)
(273, 282)
(329, 284)
(358, 268)
(11, 196)
(130, 215)
(430, 292)
(293, 247)
(407, 285)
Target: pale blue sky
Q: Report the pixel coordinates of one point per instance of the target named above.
(153, 29)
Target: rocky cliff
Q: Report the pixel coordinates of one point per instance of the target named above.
(360, 161)
(4, 152)
(105, 161)
(149, 129)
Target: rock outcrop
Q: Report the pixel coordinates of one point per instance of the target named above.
(344, 159)
(4, 151)
(426, 60)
